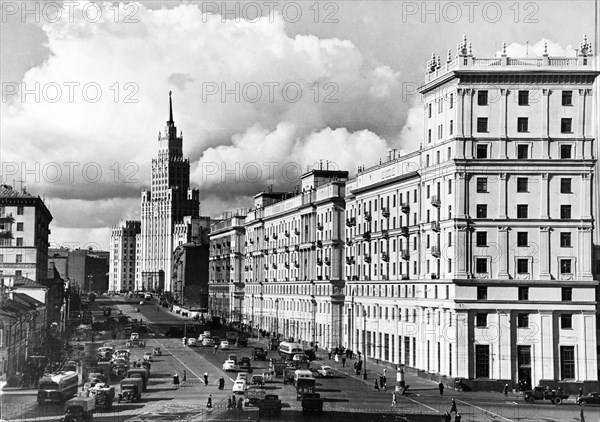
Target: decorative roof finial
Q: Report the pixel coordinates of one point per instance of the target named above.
(465, 38)
(439, 62)
(545, 49)
(470, 49)
(504, 49)
(449, 59)
(170, 108)
(585, 47)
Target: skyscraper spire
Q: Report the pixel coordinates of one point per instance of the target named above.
(170, 122)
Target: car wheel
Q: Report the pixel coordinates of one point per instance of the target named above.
(557, 400)
(529, 399)
(582, 403)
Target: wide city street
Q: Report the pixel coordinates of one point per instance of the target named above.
(347, 397)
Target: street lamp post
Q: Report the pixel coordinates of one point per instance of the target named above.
(364, 344)
(277, 317)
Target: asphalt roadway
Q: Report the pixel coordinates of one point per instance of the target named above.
(347, 397)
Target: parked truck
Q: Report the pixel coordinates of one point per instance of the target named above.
(545, 393)
(269, 404)
(131, 390)
(141, 373)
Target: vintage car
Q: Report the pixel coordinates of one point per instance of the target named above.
(157, 351)
(224, 345)
(239, 386)
(191, 342)
(79, 409)
(148, 356)
(325, 371)
(589, 399)
(104, 395)
(230, 365)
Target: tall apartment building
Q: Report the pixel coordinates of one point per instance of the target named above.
(472, 257)
(88, 268)
(227, 266)
(24, 230)
(168, 201)
(123, 253)
(293, 271)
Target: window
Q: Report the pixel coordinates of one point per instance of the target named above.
(567, 98)
(522, 124)
(482, 361)
(481, 211)
(522, 239)
(440, 105)
(482, 98)
(566, 266)
(482, 151)
(522, 320)
(565, 240)
(522, 210)
(482, 124)
(523, 293)
(449, 186)
(440, 131)
(482, 293)
(522, 152)
(565, 185)
(565, 212)
(451, 129)
(481, 238)
(482, 184)
(566, 321)
(565, 151)
(19, 227)
(566, 294)
(523, 98)
(522, 184)
(449, 238)
(429, 135)
(19, 258)
(481, 319)
(522, 266)
(481, 266)
(567, 362)
(20, 210)
(565, 125)
(449, 211)
(451, 100)
(449, 153)
(19, 241)
(429, 110)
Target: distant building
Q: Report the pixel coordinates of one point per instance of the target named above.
(87, 268)
(24, 230)
(164, 209)
(123, 253)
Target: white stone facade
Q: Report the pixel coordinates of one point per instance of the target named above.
(123, 254)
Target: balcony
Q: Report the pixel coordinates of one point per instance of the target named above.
(435, 226)
(435, 201)
(349, 242)
(349, 260)
(327, 262)
(434, 276)
(296, 248)
(385, 257)
(274, 266)
(319, 277)
(287, 265)
(251, 242)
(297, 232)
(405, 254)
(319, 226)
(287, 233)
(266, 251)
(385, 233)
(246, 268)
(385, 212)
(266, 238)
(5, 234)
(319, 244)
(367, 236)
(287, 248)
(6, 217)
(267, 267)
(274, 251)
(435, 251)
(218, 246)
(296, 264)
(405, 207)
(404, 276)
(351, 222)
(368, 216)
(404, 231)
(320, 262)
(367, 259)
(274, 236)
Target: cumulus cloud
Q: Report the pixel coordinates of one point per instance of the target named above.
(537, 49)
(242, 92)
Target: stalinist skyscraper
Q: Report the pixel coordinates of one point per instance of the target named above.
(169, 210)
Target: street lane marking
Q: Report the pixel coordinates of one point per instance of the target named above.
(485, 411)
(422, 404)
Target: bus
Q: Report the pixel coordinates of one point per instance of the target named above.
(57, 387)
(287, 350)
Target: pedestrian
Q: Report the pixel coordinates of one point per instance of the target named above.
(221, 383)
(581, 416)
(447, 417)
(381, 381)
(240, 404)
(394, 400)
(206, 378)
(441, 387)
(216, 348)
(580, 393)
(209, 402)
(184, 375)
(384, 381)
(344, 362)
(329, 354)
(458, 418)
(316, 348)
(376, 385)
(506, 389)
(453, 407)
(228, 403)
(175, 380)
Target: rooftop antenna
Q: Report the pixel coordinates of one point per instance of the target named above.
(527, 49)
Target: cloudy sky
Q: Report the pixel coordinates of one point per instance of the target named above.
(261, 90)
